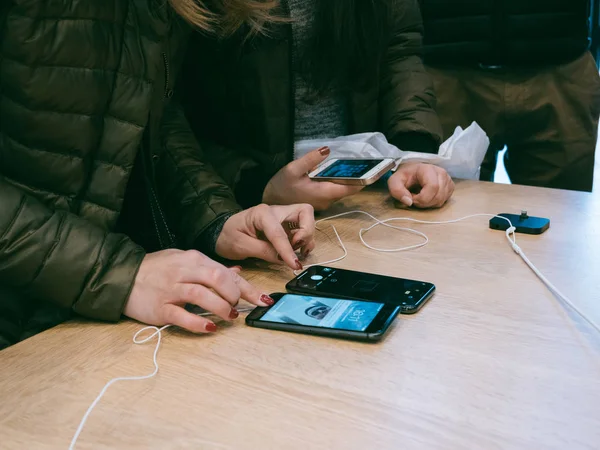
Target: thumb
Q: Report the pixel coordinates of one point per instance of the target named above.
(309, 161)
(397, 186)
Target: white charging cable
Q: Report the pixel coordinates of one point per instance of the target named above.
(136, 340)
(510, 236)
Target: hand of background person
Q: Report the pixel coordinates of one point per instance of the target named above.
(292, 184)
(168, 280)
(271, 233)
(421, 185)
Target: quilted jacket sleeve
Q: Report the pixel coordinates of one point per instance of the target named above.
(407, 99)
(59, 257)
(195, 197)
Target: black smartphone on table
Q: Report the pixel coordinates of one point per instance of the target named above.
(409, 295)
(325, 316)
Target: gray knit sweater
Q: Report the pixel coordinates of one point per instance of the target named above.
(323, 116)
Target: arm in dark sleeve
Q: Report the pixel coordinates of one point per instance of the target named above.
(63, 259)
(196, 177)
(407, 99)
(195, 197)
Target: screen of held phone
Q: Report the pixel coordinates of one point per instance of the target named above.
(348, 168)
(323, 312)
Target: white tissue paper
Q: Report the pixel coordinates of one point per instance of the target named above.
(461, 155)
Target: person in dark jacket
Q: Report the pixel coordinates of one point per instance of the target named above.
(331, 68)
(522, 70)
(94, 152)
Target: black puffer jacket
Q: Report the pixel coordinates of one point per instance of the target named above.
(84, 85)
(248, 133)
(505, 32)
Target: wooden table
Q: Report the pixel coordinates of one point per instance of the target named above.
(492, 362)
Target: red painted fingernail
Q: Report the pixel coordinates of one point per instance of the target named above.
(324, 151)
(299, 245)
(210, 327)
(267, 300)
(234, 314)
(298, 265)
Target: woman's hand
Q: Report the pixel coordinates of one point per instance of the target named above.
(292, 185)
(272, 233)
(421, 185)
(170, 279)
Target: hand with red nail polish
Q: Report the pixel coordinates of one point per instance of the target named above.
(292, 184)
(271, 233)
(170, 279)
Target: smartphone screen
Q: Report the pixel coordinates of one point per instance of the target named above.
(321, 312)
(349, 168)
(410, 295)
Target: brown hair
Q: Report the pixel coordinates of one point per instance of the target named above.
(225, 17)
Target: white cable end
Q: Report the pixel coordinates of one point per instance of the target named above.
(511, 230)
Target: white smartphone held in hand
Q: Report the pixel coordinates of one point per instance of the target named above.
(361, 172)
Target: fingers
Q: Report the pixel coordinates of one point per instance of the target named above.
(425, 198)
(306, 249)
(334, 191)
(398, 185)
(257, 248)
(280, 245)
(309, 161)
(270, 225)
(446, 189)
(327, 193)
(436, 188)
(236, 269)
(253, 295)
(181, 318)
(201, 270)
(203, 297)
(304, 218)
(242, 239)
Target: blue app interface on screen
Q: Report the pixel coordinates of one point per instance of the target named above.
(323, 312)
(350, 168)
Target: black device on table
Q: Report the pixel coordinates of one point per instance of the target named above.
(523, 223)
(409, 295)
(325, 316)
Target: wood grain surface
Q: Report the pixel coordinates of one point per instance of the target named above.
(494, 361)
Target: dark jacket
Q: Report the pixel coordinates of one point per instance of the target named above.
(505, 32)
(83, 87)
(239, 98)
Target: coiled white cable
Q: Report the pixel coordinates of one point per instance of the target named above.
(136, 340)
(510, 236)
